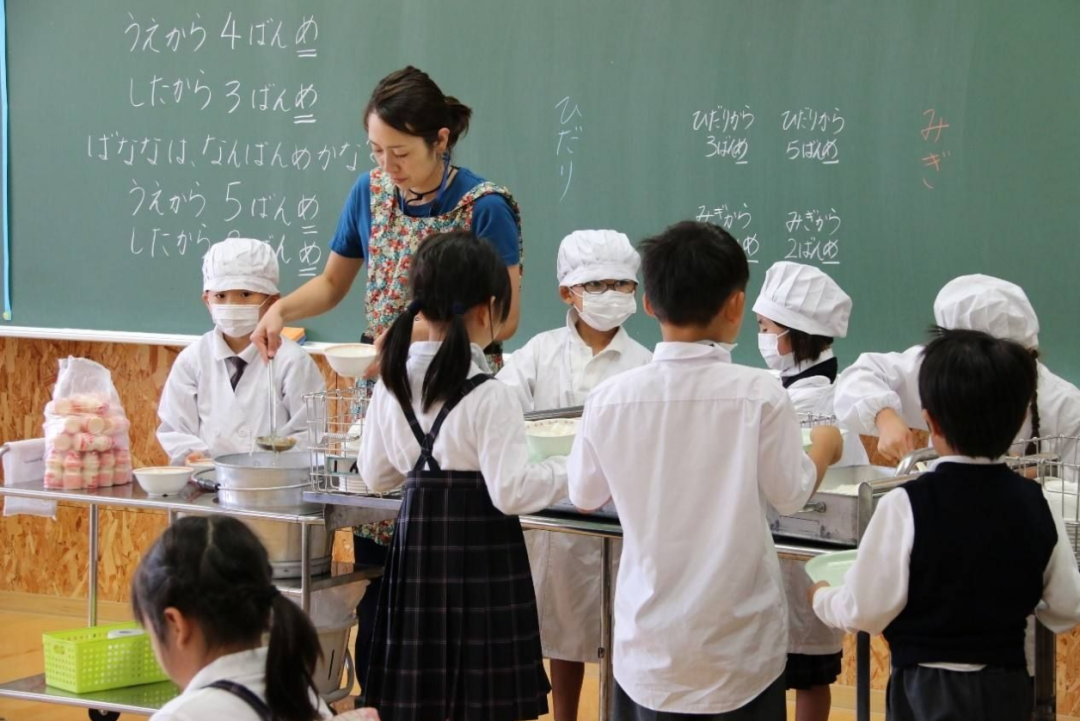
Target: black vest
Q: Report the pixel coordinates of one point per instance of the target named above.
(826, 369)
(983, 539)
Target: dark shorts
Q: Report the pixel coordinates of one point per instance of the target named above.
(804, 671)
(931, 694)
(771, 705)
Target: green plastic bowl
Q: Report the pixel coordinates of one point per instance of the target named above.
(544, 445)
(830, 567)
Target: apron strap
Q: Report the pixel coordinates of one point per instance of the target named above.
(246, 695)
(427, 442)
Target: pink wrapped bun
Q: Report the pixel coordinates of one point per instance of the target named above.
(117, 425)
(104, 479)
(54, 478)
(89, 479)
(91, 461)
(123, 457)
(93, 424)
(60, 407)
(73, 424)
(107, 460)
(63, 442)
(73, 462)
(89, 404)
(73, 480)
(103, 443)
(121, 475)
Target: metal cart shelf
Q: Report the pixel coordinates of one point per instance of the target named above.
(147, 699)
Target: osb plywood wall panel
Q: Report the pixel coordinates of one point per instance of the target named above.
(51, 558)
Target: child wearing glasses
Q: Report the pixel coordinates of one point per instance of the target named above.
(597, 272)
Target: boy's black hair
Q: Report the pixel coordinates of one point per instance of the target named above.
(978, 389)
(690, 270)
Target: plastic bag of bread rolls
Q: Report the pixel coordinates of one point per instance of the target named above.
(87, 445)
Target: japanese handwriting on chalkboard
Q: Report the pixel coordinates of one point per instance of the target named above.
(568, 134)
(931, 134)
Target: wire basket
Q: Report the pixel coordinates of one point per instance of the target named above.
(335, 428)
(812, 420)
(1055, 463)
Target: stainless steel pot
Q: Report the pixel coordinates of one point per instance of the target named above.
(263, 481)
(282, 543)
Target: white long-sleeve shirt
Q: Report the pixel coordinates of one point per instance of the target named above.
(692, 448)
(877, 381)
(200, 412)
(486, 433)
(875, 588)
(198, 703)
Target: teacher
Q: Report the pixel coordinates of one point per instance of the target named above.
(416, 190)
(412, 129)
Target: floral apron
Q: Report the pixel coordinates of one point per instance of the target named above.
(393, 240)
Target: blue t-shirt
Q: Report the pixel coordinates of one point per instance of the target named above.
(492, 217)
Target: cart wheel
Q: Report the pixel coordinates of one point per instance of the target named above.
(102, 715)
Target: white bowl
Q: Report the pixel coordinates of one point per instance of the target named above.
(350, 359)
(163, 480)
(553, 437)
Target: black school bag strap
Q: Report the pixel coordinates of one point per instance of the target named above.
(246, 695)
(427, 442)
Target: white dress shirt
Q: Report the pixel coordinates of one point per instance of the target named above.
(486, 433)
(875, 588)
(200, 411)
(692, 448)
(197, 703)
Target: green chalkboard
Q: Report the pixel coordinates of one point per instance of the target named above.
(902, 143)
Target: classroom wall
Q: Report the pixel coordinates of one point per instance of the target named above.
(50, 558)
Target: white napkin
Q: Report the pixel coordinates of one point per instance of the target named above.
(24, 462)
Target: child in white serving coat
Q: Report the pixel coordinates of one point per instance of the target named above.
(800, 311)
(879, 394)
(597, 272)
(215, 400)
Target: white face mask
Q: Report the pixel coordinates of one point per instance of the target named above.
(235, 321)
(608, 310)
(769, 345)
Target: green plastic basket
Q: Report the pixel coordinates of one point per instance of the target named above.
(87, 660)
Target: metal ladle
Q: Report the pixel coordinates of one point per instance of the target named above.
(272, 442)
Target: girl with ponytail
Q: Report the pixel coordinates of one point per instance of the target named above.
(204, 594)
(456, 636)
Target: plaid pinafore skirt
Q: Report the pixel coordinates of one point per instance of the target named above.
(457, 635)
